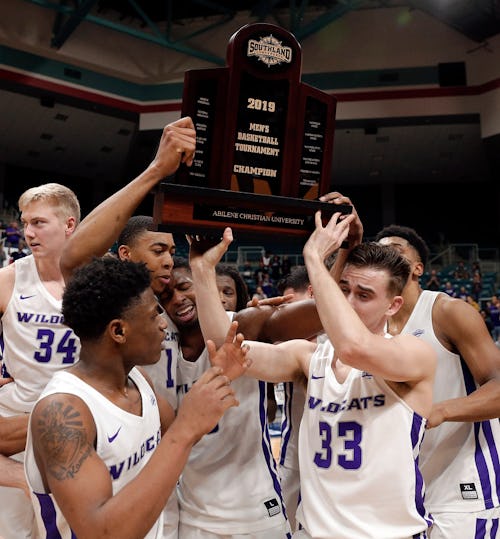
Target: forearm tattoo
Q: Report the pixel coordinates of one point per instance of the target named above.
(62, 439)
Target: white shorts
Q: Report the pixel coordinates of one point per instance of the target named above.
(477, 525)
(302, 534)
(190, 532)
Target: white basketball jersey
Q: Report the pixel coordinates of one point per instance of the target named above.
(358, 454)
(36, 343)
(125, 442)
(459, 461)
(293, 408)
(230, 484)
(164, 372)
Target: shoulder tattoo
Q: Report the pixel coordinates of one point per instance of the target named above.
(62, 438)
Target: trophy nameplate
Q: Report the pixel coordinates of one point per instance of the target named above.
(199, 210)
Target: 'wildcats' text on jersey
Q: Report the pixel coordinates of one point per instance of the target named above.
(357, 403)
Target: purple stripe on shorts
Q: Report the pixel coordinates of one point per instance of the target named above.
(48, 513)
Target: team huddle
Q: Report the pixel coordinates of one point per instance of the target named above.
(134, 387)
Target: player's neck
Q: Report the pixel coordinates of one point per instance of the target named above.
(48, 268)
(50, 275)
(106, 375)
(192, 342)
(411, 293)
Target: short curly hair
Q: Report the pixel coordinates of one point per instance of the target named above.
(100, 292)
(135, 227)
(410, 235)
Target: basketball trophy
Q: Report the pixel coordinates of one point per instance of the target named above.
(264, 143)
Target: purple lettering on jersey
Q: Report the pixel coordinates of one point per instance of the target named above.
(115, 470)
(358, 403)
(314, 403)
(52, 319)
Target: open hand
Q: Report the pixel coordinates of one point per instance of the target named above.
(325, 240)
(231, 356)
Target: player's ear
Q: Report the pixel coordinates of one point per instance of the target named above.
(419, 269)
(310, 291)
(117, 331)
(70, 225)
(395, 305)
(124, 252)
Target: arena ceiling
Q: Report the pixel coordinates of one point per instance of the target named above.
(57, 136)
(166, 22)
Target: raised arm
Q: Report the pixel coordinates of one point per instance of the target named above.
(354, 236)
(401, 359)
(265, 323)
(213, 319)
(97, 232)
(301, 319)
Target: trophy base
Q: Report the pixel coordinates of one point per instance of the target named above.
(200, 210)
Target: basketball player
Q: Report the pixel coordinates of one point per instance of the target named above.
(96, 460)
(138, 241)
(460, 454)
(229, 486)
(36, 342)
(367, 397)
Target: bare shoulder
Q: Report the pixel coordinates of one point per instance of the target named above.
(61, 408)
(450, 313)
(445, 304)
(7, 278)
(461, 329)
(64, 433)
